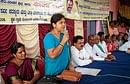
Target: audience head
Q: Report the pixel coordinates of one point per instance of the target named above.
(78, 42)
(18, 50)
(107, 38)
(97, 39)
(101, 35)
(91, 40)
(58, 21)
(111, 24)
(125, 37)
(120, 36)
(122, 24)
(113, 37)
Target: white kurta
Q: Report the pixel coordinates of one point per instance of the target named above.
(98, 52)
(79, 58)
(89, 50)
(125, 46)
(104, 46)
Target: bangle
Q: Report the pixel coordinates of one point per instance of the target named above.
(62, 45)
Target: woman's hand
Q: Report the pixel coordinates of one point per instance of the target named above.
(65, 38)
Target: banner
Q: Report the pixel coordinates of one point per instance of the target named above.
(40, 11)
(87, 9)
(78, 28)
(29, 11)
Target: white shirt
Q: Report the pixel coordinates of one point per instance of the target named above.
(89, 50)
(98, 52)
(104, 46)
(125, 46)
(79, 58)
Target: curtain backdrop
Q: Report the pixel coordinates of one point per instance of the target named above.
(70, 28)
(43, 29)
(31, 35)
(78, 27)
(7, 38)
(85, 31)
(28, 35)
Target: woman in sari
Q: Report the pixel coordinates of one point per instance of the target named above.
(57, 53)
(115, 44)
(22, 70)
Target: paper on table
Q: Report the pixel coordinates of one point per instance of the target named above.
(88, 71)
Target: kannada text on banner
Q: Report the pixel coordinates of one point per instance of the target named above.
(29, 11)
(40, 11)
(87, 9)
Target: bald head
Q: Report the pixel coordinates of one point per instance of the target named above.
(97, 39)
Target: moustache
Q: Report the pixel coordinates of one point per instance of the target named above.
(82, 46)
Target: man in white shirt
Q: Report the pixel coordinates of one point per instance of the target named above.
(89, 48)
(102, 42)
(79, 56)
(125, 47)
(100, 50)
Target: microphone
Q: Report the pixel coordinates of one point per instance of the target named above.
(66, 32)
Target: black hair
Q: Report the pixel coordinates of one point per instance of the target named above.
(76, 38)
(125, 34)
(124, 39)
(100, 33)
(55, 18)
(113, 35)
(107, 36)
(15, 47)
(90, 36)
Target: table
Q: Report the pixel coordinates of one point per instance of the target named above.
(114, 72)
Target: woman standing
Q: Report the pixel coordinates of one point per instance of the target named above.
(57, 49)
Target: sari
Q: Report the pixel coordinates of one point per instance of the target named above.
(23, 72)
(109, 47)
(112, 46)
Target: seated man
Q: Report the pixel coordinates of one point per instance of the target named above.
(89, 48)
(125, 47)
(101, 50)
(22, 70)
(79, 56)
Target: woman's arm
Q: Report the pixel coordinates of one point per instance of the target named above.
(34, 79)
(17, 81)
(54, 52)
